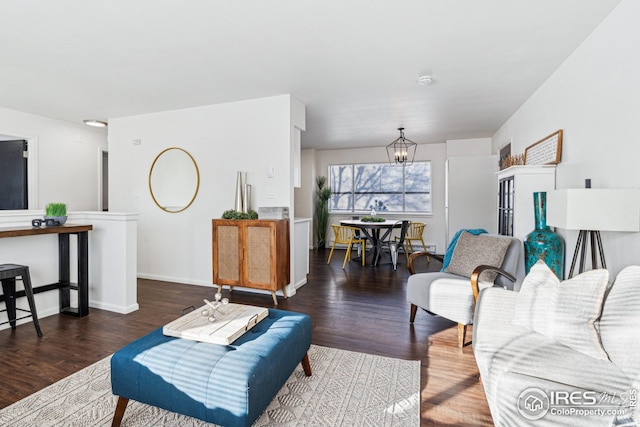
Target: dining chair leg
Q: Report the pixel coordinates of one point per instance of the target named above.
(363, 245)
(410, 245)
(331, 253)
(346, 256)
(394, 255)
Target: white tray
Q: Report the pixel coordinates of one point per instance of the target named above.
(232, 321)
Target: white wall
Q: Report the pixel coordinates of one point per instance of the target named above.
(303, 195)
(468, 147)
(67, 157)
(250, 136)
(437, 153)
(594, 96)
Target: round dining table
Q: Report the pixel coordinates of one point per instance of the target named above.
(372, 231)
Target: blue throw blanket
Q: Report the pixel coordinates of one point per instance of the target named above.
(452, 245)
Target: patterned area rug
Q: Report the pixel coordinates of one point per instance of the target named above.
(346, 389)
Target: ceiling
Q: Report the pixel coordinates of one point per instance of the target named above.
(354, 64)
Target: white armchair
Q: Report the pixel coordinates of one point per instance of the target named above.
(487, 260)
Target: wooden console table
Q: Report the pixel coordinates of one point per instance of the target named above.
(64, 284)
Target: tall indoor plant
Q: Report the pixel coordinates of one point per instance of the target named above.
(323, 193)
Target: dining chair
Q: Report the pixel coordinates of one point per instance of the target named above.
(416, 229)
(398, 243)
(358, 235)
(345, 235)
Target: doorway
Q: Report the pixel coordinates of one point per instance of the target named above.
(104, 180)
(14, 185)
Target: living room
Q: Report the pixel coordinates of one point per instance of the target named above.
(592, 96)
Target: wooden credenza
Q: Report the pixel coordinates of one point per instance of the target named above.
(252, 254)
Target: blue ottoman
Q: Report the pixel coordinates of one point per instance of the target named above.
(227, 385)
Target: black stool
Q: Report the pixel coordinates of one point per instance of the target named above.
(8, 275)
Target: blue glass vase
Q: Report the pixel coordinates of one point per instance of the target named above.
(542, 243)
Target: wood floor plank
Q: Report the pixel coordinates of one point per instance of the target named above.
(358, 309)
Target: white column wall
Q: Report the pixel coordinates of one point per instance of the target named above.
(303, 196)
(250, 136)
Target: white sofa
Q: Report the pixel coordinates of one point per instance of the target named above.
(515, 361)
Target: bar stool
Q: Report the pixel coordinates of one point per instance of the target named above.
(8, 276)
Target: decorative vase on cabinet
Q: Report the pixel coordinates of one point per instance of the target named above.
(542, 243)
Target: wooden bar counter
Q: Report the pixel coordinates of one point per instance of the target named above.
(64, 284)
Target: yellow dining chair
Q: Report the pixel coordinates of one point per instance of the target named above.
(415, 231)
(345, 235)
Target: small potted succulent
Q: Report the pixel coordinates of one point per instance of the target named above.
(55, 214)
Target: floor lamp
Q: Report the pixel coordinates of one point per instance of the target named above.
(591, 211)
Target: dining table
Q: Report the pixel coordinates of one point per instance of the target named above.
(376, 232)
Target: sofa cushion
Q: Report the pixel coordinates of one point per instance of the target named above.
(505, 351)
(472, 251)
(564, 311)
(620, 320)
(444, 294)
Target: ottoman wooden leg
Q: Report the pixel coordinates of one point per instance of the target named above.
(120, 407)
(306, 365)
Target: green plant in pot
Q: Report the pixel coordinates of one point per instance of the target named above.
(57, 212)
(233, 214)
(323, 194)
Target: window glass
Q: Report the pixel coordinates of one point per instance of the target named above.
(360, 187)
(341, 183)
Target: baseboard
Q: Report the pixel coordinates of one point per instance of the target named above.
(174, 279)
(115, 308)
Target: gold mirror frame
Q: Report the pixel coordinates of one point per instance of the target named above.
(197, 186)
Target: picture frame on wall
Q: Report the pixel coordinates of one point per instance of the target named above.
(547, 151)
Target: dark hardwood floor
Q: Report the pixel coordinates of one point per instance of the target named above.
(359, 309)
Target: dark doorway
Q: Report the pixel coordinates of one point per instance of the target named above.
(13, 175)
(105, 181)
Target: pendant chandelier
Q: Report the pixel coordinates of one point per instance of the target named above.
(402, 150)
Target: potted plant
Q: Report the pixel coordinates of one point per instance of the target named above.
(323, 193)
(234, 214)
(55, 214)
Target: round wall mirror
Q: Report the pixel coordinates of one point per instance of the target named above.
(174, 180)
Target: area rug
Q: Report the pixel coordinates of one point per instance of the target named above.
(346, 389)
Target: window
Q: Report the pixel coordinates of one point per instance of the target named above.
(357, 187)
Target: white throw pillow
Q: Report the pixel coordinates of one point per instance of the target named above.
(565, 311)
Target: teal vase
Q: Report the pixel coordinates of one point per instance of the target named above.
(542, 243)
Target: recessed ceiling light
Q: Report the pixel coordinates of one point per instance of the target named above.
(95, 123)
(424, 80)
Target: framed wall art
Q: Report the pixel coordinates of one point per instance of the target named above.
(547, 151)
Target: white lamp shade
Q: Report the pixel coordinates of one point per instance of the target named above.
(594, 209)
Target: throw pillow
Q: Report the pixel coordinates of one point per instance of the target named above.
(565, 311)
(452, 245)
(472, 251)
